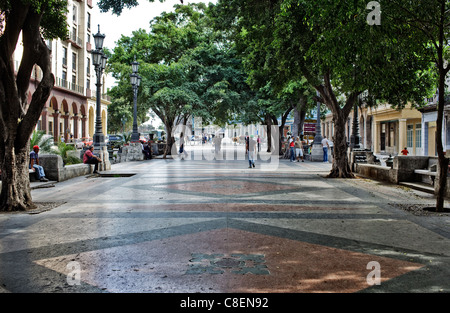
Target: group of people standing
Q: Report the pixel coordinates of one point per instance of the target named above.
(296, 149)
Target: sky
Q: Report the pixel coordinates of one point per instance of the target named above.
(113, 26)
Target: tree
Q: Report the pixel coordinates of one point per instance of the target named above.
(432, 21)
(331, 44)
(33, 20)
(168, 94)
(253, 34)
(182, 60)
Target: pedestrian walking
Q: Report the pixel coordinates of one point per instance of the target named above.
(291, 149)
(35, 166)
(298, 149)
(217, 143)
(325, 145)
(90, 158)
(182, 150)
(251, 151)
(147, 152)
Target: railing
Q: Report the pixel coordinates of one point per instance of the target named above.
(68, 85)
(76, 40)
(106, 97)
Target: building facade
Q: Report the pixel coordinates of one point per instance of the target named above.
(386, 131)
(71, 108)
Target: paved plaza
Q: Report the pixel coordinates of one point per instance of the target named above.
(217, 226)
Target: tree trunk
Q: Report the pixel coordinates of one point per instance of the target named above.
(302, 122)
(301, 115)
(170, 140)
(442, 159)
(269, 132)
(340, 167)
(15, 193)
(18, 118)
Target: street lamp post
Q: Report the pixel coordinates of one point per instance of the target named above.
(135, 82)
(318, 137)
(317, 149)
(99, 61)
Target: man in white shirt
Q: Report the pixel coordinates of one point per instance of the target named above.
(251, 151)
(325, 145)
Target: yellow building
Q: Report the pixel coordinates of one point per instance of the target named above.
(394, 130)
(385, 130)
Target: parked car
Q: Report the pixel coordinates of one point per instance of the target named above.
(115, 141)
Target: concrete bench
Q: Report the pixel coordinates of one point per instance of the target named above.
(430, 171)
(32, 175)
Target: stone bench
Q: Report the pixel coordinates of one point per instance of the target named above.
(429, 172)
(32, 175)
(56, 170)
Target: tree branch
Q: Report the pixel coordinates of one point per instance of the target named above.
(34, 44)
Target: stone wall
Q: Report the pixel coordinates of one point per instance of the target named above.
(377, 172)
(404, 167)
(132, 152)
(55, 170)
(402, 171)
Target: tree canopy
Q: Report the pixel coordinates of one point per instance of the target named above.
(185, 60)
(331, 45)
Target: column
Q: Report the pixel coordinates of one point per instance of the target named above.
(44, 124)
(56, 117)
(424, 137)
(402, 142)
(365, 129)
(83, 125)
(66, 128)
(75, 126)
(375, 137)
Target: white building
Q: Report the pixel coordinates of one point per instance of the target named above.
(71, 108)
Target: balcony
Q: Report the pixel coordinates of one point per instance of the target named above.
(89, 3)
(106, 97)
(76, 41)
(69, 86)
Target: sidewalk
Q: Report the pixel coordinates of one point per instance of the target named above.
(218, 227)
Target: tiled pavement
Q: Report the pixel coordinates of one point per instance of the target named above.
(220, 227)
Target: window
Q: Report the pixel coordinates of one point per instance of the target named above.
(74, 34)
(64, 60)
(88, 66)
(74, 82)
(88, 83)
(74, 11)
(50, 128)
(64, 79)
(418, 135)
(89, 20)
(409, 135)
(74, 61)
